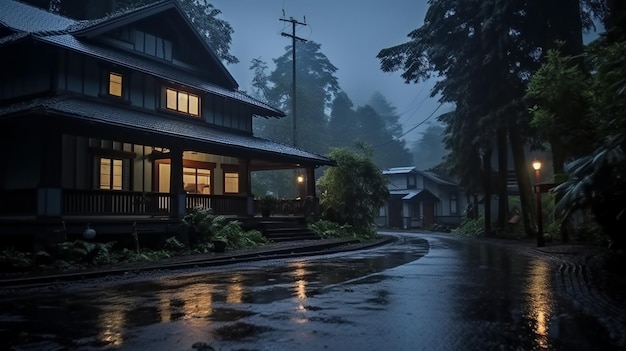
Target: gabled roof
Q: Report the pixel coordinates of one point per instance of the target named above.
(430, 175)
(437, 178)
(412, 194)
(94, 28)
(111, 114)
(27, 21)
(21, 17)
(400, 170)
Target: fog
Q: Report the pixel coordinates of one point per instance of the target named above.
(350, 32)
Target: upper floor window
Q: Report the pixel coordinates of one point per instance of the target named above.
(411, 181)
(115, 84)
(182, 101)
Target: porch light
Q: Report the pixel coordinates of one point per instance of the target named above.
(300, 179)
(536, 164)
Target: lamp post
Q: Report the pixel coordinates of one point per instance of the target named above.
(537, 167)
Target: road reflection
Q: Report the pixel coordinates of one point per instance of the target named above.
(540, 301)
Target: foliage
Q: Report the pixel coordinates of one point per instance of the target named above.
(608, 87)
(429, 150)
(367, 125)
(471, 227)
(353, 191)
(560, 97)
(315, 89)
(267, 204)
(597, 183)
(173, 244)
(12, 260)
(330, 230)
(213, 227)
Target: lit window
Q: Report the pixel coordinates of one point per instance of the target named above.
(182, 102)
(231, 182)
(197, 180)
(115, 84)
(111, 174)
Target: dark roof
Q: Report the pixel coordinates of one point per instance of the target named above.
(430, 175)
(41, 25)
(149, 122)
(26, 18)
(159, 70)
(412, 194)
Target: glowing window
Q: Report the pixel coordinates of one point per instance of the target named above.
(231, 182)
(182, 102)
(197, 180)
(115, 84)
(111, 174)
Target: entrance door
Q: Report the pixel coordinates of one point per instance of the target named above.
(429, 214)
(395, 213)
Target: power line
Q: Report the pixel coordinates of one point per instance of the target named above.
(414, 127)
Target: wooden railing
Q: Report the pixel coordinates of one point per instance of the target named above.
(113, 202)
(221, 204)
(107, 202)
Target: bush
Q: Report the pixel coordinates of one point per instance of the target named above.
(471, 227)
(213, 227)
(329, 230)
(12, 260)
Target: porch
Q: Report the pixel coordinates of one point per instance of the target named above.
(116, 215)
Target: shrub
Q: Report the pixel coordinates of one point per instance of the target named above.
(329, 230)
(471, 227)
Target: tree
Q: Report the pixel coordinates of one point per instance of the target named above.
(388, 113)
(559, 95)
(316, 88)
(353, 191)
(343, 124)
(476, 49)
(429, 150)
(597, 183)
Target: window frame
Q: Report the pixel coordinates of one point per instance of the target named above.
(230, 169)
(454, 204)
(105, 87)
(180, 93)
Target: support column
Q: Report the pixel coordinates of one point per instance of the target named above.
(245, 185)
(49, 195)
(310, 182)
(177, 193)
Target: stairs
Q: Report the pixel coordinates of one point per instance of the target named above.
(285, 229)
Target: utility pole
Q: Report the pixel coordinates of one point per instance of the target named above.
(294, 38)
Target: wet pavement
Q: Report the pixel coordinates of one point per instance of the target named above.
(425, 291)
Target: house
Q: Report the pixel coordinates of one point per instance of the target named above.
(421, 199)
(124, 121)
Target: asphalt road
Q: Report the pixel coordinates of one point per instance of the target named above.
(426, 291)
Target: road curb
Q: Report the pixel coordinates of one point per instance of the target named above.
(309, 249)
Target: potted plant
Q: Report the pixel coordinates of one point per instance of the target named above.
(267, 205)
(219, 243)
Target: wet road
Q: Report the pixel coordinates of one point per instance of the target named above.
(423, 292)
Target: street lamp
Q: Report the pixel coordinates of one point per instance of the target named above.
(537, 167)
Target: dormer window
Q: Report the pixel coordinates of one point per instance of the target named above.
(115, 84)
(182, 101)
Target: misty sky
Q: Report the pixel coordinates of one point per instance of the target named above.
(350, 32)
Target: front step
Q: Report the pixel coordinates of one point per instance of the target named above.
(285, 230)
